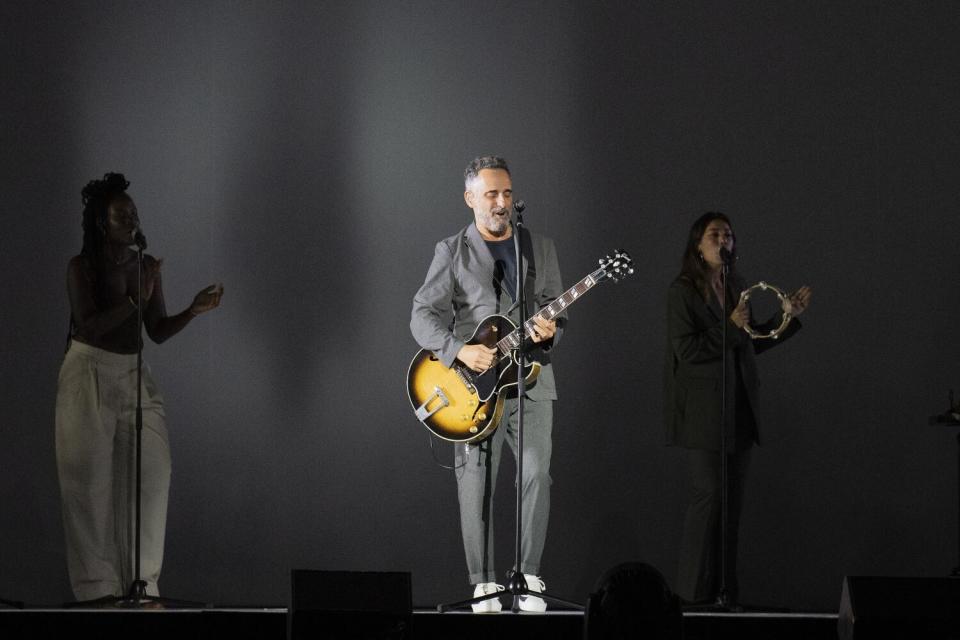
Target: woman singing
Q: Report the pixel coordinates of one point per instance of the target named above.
(696, 327)
(96, 400)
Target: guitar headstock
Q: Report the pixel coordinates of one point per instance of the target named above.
(617, 267)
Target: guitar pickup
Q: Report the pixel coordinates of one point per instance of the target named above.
(423, 412)
(464, 378)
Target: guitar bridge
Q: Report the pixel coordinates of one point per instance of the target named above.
(423, 412)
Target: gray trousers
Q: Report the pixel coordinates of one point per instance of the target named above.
(477, 478)
(96, 463)
(699, 576)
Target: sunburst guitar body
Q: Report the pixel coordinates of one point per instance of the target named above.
(461, 405)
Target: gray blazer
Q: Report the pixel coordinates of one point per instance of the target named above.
(458, 293)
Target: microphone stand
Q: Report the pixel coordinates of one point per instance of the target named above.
(722, 602)
(517, 585)
(137, 597)
(951, 418)
(723, 597)
(138, 589)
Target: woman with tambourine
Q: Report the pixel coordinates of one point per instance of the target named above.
(696, 392)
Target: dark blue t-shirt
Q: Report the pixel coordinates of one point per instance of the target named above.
(504, 266)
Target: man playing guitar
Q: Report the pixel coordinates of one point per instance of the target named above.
(473, 276)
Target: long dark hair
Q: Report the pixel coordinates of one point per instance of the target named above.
(96, 198)
(694, 268)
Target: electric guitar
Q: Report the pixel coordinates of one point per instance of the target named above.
(462, 405)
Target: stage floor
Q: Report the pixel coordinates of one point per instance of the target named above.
(270, 623)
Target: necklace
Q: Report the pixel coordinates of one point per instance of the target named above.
(118, 260)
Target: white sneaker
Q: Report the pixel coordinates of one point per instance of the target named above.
(491, 605)
(533, 603)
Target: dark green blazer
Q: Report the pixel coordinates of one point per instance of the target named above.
(693, 365)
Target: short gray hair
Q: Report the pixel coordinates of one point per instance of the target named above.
(480, 163)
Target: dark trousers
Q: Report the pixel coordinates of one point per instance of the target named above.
(698, 579)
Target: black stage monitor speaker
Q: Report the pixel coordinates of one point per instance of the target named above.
(882, 607)
(349, 605)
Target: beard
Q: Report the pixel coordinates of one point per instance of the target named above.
(496, 221)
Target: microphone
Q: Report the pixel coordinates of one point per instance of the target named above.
(140, 240)
(519, 206)
(725, 256)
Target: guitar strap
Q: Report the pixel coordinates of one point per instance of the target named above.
(529, 282)
(526, 249)
(529, 293)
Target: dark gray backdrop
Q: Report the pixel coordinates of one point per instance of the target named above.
(310, 154)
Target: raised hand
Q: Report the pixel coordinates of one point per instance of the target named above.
(206, 300)
(798, 301)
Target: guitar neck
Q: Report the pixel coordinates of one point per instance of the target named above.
(515, 338)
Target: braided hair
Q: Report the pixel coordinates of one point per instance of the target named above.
(96, 197)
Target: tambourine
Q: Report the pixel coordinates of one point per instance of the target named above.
(784, 305)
